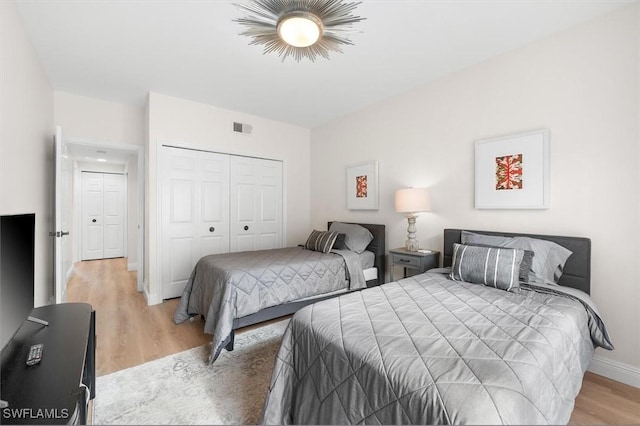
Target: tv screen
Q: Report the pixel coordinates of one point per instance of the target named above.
(17, 248)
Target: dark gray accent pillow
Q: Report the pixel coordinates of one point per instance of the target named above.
(340, 244)
(321, 241)
(357, 237)
(492, 266)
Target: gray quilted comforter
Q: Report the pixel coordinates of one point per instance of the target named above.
(223, 287)
(428, 350)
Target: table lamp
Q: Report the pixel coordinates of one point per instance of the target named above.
(412, 201)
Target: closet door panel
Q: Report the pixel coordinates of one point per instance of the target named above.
(256, 204)
(92, 216)
(269, 201)
(215, 203)
(114, 215)
(180, 204)
(242, 200)
(213, 227)
(180, 267)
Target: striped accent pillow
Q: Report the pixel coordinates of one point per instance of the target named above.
(321, 241)
(497, 267)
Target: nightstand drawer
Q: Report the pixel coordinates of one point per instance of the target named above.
(401, 260)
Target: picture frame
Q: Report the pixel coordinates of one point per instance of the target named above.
(362, 186)
(512, 172)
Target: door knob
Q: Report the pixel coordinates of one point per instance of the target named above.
(93, 220)
(246, 228)
(212, 229)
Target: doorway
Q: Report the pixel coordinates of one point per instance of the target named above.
(111, 162)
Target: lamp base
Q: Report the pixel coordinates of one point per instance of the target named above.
(411, 244)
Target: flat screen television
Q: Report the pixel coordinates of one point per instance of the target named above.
(17, 261)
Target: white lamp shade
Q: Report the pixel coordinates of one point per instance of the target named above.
(412, 200)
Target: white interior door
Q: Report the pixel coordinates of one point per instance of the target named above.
(103, 210)
(113, 215)
(269, 204)
(58, 273)
(256, 204)
(62, 253)
(243, 209)
(195, 213)
(179, 251)
(92, 216)
(213, 185)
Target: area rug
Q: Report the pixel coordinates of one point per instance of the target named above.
(184, 389)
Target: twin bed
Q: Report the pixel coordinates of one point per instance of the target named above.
(235, 290)
(431, 350)
(428, 349)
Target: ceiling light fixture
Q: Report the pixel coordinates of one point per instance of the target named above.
(300, 28)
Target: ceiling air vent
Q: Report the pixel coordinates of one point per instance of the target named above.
(242, 128)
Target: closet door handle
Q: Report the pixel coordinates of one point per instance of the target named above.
(212, 229)
(246, 228)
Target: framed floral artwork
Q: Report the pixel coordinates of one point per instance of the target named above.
(512, 172)
(362, 186)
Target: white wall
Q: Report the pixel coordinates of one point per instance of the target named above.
(121, 126)
(582, 85)
(99, 120)
(26, 141)
(191, 124)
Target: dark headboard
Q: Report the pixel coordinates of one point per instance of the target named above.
(378, 246)
(577, 270)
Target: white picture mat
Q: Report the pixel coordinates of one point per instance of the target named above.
(369, 169)
(534, 147)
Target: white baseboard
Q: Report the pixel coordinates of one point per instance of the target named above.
(132, 266)
(616, 370)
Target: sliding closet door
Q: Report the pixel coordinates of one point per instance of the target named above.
(213, 228)
(256, 204)
(195, 212)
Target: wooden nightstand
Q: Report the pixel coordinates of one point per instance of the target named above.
(420, 261)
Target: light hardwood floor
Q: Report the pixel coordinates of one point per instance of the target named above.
(131, 333)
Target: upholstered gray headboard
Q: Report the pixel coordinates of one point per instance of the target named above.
(577, 270)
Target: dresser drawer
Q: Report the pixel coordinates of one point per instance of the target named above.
(408, 261)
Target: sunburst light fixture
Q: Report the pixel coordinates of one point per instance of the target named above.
(299, 28)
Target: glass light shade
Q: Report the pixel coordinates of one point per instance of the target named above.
(300, 29)
(412, 200)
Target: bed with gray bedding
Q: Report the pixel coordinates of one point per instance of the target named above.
(432, 350)
(236, 289)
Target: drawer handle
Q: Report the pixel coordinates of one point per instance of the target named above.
(246, 228)
(212, 229)
(405, 260)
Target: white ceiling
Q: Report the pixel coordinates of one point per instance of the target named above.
(120, 50)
